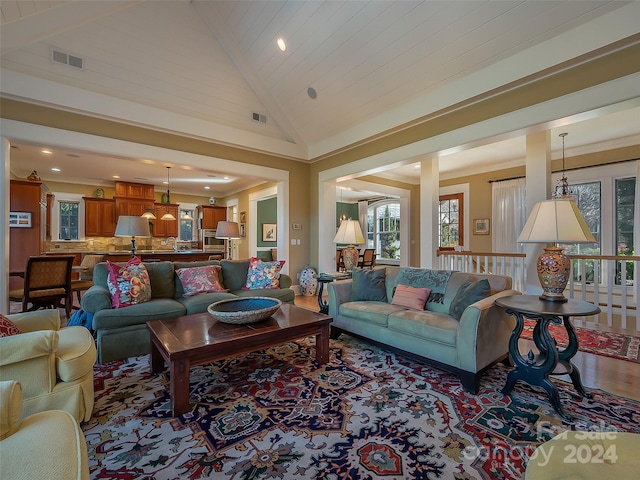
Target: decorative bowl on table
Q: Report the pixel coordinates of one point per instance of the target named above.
(244, 310)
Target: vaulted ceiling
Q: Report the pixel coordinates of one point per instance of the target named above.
(352, 70)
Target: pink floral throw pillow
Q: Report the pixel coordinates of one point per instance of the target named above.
(200, 279)
(128, 284)
(262, 275)
(7, 327)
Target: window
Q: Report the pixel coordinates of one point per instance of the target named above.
(186, 225)
(68, 226)
(383, 229)
(625, 191)
(450, 221)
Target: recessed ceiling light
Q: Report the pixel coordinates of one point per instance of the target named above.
(73, 155)
(226, 178)
(116, 176)
(207, 188)
(281, 45)
(417, 165)
(312, 93)
(55, 169)
(46, 152)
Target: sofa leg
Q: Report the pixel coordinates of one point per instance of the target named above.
(470, 382)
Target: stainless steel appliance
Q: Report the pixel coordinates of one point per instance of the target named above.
(210, 243)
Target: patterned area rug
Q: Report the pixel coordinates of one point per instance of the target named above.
(615, 345)
(367, 414)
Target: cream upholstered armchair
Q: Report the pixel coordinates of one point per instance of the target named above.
(53, 365)
(43, 445)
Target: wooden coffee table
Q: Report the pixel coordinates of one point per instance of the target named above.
(192, 340)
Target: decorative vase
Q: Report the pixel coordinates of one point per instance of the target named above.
(554, 269)
(33, 177)
(308, 281)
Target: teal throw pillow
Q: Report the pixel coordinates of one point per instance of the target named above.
(368, 285)
(468, 293)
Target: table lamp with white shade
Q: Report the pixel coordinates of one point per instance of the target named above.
(132, 226)
(555, 221)
(349, 233)
(228, 231)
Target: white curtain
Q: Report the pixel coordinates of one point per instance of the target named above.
(362, 216)
(636, 232)
(509, 214)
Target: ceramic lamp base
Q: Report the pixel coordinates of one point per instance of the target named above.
(350, 256)
(554, 268)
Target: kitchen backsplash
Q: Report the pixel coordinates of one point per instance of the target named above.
(115, 244)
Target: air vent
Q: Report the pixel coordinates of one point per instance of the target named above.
(258, 117)
(64, 58)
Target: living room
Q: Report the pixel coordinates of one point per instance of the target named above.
(587, 67)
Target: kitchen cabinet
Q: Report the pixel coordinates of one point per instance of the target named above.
(99, 217)
(210, 216)
(24, 242)
(134, 190)
(129, 206)
(165, 228)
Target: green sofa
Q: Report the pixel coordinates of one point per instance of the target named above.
(463, 346)
(122, 332)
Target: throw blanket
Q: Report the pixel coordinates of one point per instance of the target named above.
(435, 280)
(82, 319)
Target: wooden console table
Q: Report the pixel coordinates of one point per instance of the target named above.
(535, 369)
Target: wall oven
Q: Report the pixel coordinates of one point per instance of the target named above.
(210, 243)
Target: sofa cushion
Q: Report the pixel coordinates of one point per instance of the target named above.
(262, 275)
(76, 353)
(197, 280)
(368, 285)
(234, 273)
(155, 309)
(410, 297)
(285, 295)
(128, 284)
(7, 327)
(161, 277)
(468, 293)
(436, 327)
(199, 303)
(372, 312)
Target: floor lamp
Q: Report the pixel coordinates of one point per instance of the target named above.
(228, 231)
(349, 233)
(132, 226)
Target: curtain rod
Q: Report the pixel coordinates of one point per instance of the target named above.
(569, 169)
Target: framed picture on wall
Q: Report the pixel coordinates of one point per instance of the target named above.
(243, 217)
(20, 219)
(269, 232)
(243, 230)
(481, 226)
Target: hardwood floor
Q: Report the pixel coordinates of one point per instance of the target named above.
(614, 376)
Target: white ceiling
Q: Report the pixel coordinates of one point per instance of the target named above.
(212, 64)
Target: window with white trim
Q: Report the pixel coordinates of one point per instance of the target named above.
(383, 230)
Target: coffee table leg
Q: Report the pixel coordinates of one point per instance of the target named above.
(322, 344)
(157, 362)
(179, 388)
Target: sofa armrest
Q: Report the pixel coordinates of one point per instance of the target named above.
(339, 293)
(285, 281)
(484, 331)
(27, 346)
(95, 299)
(48, 319)
(10, 407)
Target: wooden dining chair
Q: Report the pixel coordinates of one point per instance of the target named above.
(339, 260)
(274, 254)
(367, 259)
(85, 282)
(47, 283)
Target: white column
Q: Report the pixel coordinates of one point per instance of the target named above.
(538, 187)
(429, 198)
(5, 203)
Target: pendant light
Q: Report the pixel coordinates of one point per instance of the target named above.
(562, 188)
(168, 215)
(185, 215)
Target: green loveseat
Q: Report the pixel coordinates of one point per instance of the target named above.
(122, 332)
(464, 346)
